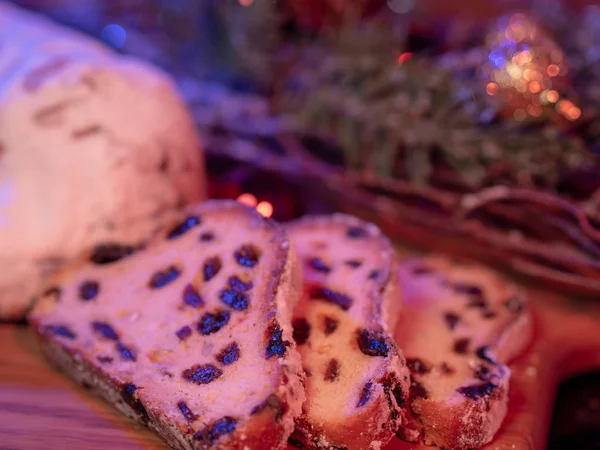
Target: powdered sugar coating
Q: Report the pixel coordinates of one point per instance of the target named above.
(97, 148)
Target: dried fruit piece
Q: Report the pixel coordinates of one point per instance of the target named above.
(417, 366)
(318, 265)
(247, 255)
(211, 267)
(276, 346)
(365, 394)
(126, 353)
(128, 393)
(487, 314)
(481, 353)
(189, 223)
(478, 302)
(357, 233)
(207, 236)
(461, 346)
(372, 343)
(237, 284)
(186, 411)
(422, 270)
(477, 391)
(301, 330)
(61, 330)
(105, 330)
(451, 319)
(330, 325)
(333, 370)
(88, 290)
(392, 390)
(191, 296)
(446, 369)
(110, 253)
(229, 354)
(374, 274)
(211, 322)
(184, 332)
(234, 299)
(224, 426)
(469, 289)
(417, 390)
(331, 296)
(202, 374)
(353, 263)
(104, 359)
(483, 372)
(164, 277)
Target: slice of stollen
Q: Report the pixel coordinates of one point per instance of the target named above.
(192, 334)
(460, 325)
(357, 380)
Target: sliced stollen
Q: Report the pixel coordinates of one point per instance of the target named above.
(190, 335)
(357, 380)
(459, 325)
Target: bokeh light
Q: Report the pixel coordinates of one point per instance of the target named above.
(247, 199)
(404, 57)
(265, 209)
(526, 69)
(491, 88)
(114, 35)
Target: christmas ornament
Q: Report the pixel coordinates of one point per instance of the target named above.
(528, 71)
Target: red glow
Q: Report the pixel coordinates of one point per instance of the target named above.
(265, 209)
(404, 57)
(247, 199)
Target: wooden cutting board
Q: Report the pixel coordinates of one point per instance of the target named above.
(42, 410)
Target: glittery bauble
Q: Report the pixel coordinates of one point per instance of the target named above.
(527, 70)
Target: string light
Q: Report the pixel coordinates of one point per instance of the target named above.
(265, 209)
(247, 199)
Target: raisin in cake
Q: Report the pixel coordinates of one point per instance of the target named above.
(357, 380)
(459, 326)
(95, 147)
(191, 335)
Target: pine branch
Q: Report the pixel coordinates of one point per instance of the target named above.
(408, 115)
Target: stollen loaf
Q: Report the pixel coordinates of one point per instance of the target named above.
(357, 383)
(95, 148)
(461, 323)
(202, 352)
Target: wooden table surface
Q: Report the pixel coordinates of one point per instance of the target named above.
(42, 410)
